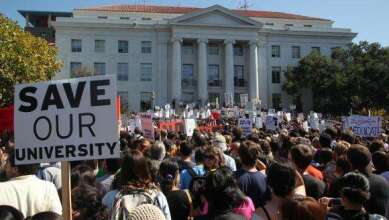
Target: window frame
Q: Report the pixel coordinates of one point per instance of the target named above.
(299, 52)
(120, 75)
(239, 81)
(102, 64)
(142, 74)
(97, 47)
(146, 49)
(276, 75)
(276, 51)
(74, 48)
(125, 49)
(214, 83)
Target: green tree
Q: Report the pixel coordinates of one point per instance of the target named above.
(23, 59)
(356, 77)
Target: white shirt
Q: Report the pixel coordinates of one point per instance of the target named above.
(30, 195)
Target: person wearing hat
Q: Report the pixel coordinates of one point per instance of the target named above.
(220, 142)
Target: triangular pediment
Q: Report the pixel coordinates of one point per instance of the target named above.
(215, 16)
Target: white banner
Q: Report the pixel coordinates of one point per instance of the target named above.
(190, 125)
(147, 125)
(66, 120)
(364, 126)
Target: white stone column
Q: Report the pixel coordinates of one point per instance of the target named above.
(229, 66)
(264, 92)
(176, 69)
(254, 75)
(202, 84)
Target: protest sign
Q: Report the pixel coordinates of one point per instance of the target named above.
(66, 120)
(147, 125)
(258, 122)
(364, 126)
(271, 122)
(246, 125)
(190, 125)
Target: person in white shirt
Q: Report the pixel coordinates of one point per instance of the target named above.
(26, 192)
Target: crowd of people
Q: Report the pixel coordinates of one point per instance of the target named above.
(221, 175)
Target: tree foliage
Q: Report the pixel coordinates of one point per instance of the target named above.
(356, 77)
(23, 59)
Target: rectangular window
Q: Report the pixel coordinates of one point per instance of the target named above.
(213, 49)
(146, 46)
(99, 46)
(307, 25)
(316, 49)
(214, 75)
(289, 25)
(99, 69)
(275, 51)
(75, 68)
(187, 48)
(276, 74)
(276, 100)
(76, 45)
(269, 24)
(146, 19)
(122, 71)
(123, 46)
(188, 75)
(238, 50)
(124, 18)
(146, 71)
(123, 99)
(102, 17)
(296, 52)
(239, 76)
(145, 101)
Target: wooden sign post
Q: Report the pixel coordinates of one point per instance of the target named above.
(66, 191)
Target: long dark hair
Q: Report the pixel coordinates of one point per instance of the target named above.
(135, 171)
(168, 174)
(222, 191)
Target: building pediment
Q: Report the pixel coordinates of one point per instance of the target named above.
(215, 16)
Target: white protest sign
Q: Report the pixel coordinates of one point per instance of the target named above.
(271, 122)
(66, 120)
(314, 120)
(258, 122)
(364, 126)
(246, 125)
(131, 125)
(190, 125)
(288, 117)
(305, 126)
(147, 125)
(272, 111)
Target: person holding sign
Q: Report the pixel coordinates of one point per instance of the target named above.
(26, 192)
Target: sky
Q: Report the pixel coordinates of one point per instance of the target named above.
(368, 18)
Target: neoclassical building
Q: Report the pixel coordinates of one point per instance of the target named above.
(162, 53)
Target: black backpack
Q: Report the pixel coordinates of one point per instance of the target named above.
(196, 187)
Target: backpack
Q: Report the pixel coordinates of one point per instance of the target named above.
(196, 187)
(126, 202)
